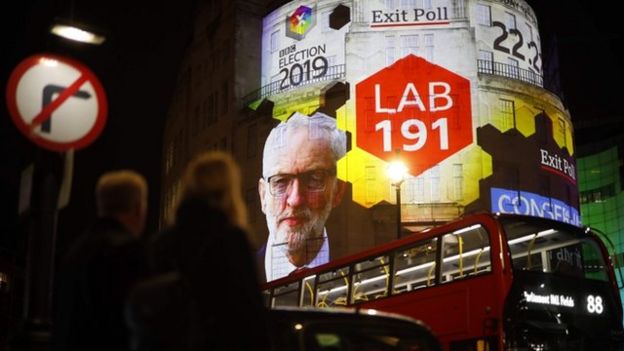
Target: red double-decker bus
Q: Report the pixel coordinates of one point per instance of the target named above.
(483, 282)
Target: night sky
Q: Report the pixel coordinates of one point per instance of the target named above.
(589, 40)
(138, 67)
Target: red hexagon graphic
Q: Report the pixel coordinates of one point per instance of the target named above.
(416, 107)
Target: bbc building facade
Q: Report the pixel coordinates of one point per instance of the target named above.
(452, 88)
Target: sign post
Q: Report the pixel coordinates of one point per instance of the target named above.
(60, 105)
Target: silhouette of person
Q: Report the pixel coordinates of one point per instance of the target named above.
(209, 297)
(101, 266)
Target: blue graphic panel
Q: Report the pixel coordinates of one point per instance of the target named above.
(526, 203)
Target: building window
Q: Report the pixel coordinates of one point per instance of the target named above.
(280, 141)
(420, 190)
(331, 61)
(314, 129)
(508, 114)
(434, 180)
(410, 191)
(390, 48)
(325, 21)
(458, 181)
(487, 61)
(484, 15)
(409, 45)
(562, 131)
(486, 55)
(510, 20)
(389, 56)
(597, 195)
(429, 47)
(369, 173)
(514, 68)
(275, 41)
(371, 184)
(408, 4)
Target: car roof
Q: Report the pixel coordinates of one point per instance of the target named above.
(345, 311)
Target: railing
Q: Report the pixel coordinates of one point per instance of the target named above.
(509, 71)
(285, 83)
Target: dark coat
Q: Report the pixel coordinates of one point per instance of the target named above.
(209, 298)
(260, 263)
(94, 280)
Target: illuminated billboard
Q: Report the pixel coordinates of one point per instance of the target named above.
(453, 89)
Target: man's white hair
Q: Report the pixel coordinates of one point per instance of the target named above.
(319, 126)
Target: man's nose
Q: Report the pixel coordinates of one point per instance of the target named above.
(295, 196)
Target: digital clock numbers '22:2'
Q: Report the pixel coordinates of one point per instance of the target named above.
(500, 44)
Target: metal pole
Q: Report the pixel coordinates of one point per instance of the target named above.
(398, 200)
(35, 333)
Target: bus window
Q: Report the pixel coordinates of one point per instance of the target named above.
(370, 279)
(594, 267)
(286, 295)
(415, 267)
(307, 298)
(332, 288)
(266, 298)
(465, 252)
(555, 251)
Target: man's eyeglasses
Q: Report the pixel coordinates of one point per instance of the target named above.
(311, 181)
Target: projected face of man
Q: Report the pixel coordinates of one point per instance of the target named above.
(298, 193)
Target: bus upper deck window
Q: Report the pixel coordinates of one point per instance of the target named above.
(286, 295)
(371, 279)
(557, 250)
(465, 252)
(332, 288)
(414, 267)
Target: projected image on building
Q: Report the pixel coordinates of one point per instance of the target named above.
(453, 89)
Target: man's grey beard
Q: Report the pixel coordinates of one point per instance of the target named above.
(292, 242)
(309, 234)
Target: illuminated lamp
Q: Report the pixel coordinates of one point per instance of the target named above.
(75, 32)
(397, 172)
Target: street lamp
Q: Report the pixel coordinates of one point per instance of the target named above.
(76, 32)
(397, 172)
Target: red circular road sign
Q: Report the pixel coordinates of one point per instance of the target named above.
(56, 102)
(414, 106)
